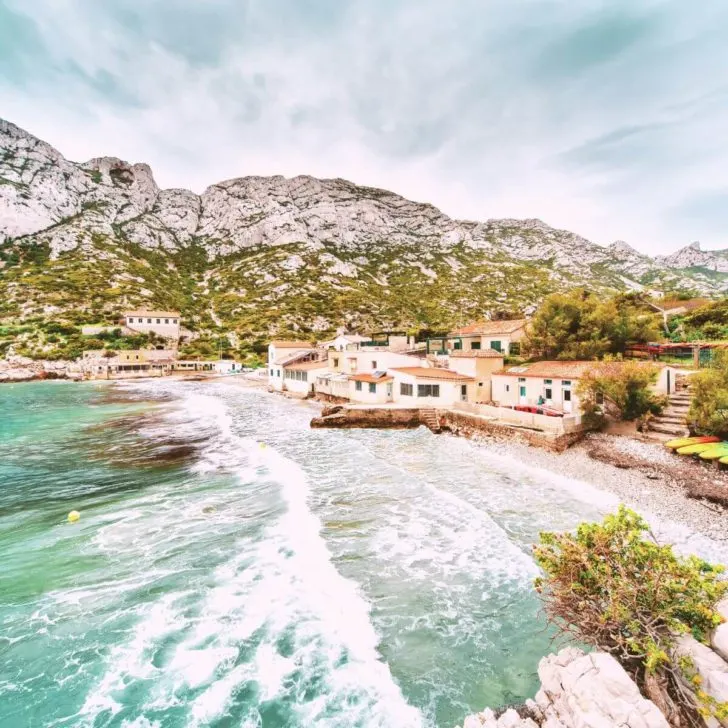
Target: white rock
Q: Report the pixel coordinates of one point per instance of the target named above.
(709, 665)
(719, 638)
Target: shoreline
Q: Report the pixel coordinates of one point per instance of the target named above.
(648, 477)
(644, 475)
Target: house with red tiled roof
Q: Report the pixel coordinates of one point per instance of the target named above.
(502, 336)
(480, 364)
(371, 388)
(553, 384)
(282, 354)
(431, 386)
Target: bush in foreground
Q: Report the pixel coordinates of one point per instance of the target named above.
(613, 586)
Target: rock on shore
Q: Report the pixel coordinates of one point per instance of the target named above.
(578, 690)
(23, 369)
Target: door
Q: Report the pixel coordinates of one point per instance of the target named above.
(522, 398)
(463, 392)
(668, 381)
(389, 392)
(567, 400)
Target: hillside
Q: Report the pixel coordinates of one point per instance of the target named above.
(263, 255)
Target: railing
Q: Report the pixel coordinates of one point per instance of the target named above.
(556, 425)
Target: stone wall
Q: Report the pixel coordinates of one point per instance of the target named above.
(467, 425)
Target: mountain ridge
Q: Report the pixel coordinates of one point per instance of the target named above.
(260, 255)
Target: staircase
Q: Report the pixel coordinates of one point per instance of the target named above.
(429, 418)
(672, 421)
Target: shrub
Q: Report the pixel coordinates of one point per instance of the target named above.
(708, 412)
(613, 586)
(625, 385)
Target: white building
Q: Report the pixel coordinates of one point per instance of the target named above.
(345, 341)
(376, 388)
(431, 387)
(282, 353)
(299, 378)
(163, 323)
(553, 384)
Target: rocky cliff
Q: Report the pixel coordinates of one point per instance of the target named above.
(263, 254)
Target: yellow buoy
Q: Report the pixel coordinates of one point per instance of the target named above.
(73, 516)
(263, 446)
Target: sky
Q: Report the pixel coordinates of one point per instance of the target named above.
(605, 117)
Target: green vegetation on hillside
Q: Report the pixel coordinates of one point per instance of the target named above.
(583, 325)
(708, 414)
(612, 586)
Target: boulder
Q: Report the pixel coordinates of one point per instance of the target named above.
(712, 669)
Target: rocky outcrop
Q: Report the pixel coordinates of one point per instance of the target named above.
(361, 417)
(578, 690)
(22, 369)
(65, 205)
(692, 256)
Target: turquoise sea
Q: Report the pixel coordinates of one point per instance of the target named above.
(232, 567)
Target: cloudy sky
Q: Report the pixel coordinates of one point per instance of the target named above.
(605, 117)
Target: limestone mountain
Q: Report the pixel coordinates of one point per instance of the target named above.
(263, 255)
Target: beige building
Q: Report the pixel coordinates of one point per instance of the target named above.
(366, 360)
(481, 365)
(431, 386)
(127, 363)
(163, 323)
(502, 336)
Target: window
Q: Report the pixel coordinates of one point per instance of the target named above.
(357, 386)
(406, 390)
(149, 321)
(549, 393)
(508, 387)
(159, 321)
(566, 383)
(428, 390)
(166, 321)
(475, 345)
(515, 348)
(374, 365)
(521, 379)
(496, 345)
(372, 388)
(567, 395)
(458, 345)
(174, 321)
(547, 381)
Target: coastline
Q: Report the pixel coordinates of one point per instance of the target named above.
(648, 477)
(643, 475)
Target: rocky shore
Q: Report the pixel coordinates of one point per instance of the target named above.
(23, 369)
(580, 690)
(644, 475)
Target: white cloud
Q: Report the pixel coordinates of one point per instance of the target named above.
(484, 109)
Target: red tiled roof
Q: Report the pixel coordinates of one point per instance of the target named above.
(491, 327)
(550, 369)
(433, 373)
(476, 354)
(370, 378)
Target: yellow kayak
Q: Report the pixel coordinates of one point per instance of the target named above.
(724, 460)
(716, 452)
(696, 449)
(685, 441)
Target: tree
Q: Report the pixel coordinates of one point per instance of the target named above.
(626, 385)
(581, 325)
(708, 414)
(613, 586)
